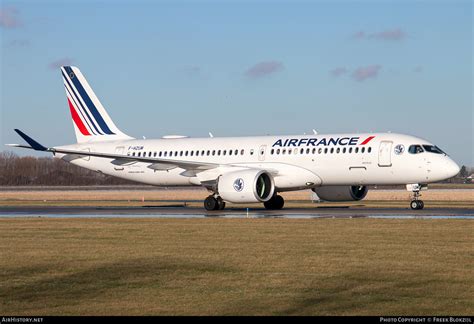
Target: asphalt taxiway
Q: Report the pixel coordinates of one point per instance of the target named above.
(179, 211)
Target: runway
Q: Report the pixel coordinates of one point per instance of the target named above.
(180, 211)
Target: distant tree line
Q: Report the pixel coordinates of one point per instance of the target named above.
(48, 171)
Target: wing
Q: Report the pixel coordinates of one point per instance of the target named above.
(158, 164)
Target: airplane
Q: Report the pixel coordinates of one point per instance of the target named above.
(336, 167)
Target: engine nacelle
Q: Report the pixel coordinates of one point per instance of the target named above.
(341, 193)
(246, 186)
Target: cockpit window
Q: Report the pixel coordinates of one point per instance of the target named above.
(433, 149)
(415, 149)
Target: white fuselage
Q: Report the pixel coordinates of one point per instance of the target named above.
(296, 162)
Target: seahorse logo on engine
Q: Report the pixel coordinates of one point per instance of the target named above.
(239, 184)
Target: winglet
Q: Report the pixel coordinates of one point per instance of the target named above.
(34, 144)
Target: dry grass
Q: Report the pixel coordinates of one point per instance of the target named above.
(124, 197)
(194, 197)
(236, 266)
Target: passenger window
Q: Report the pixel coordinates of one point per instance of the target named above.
(326, 150)
(332, 150)
(223, 153)
(219, 152)
(320, 150)
(369, 149)
(278, 151)
(307, 151)
(362, 150)
(302, 151)
(230, 152)
(338, 150)
(344, 150)
(181, 153)
(350, 149)
(415, 149)
(133, 153)
(242, 152)
(208, 153)
(356, 150)
(272, 151)
(251, 152)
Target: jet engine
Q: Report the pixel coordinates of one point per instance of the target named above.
(246, 186)
(341, 193)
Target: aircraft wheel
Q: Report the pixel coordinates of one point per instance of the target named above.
(276, 202)
(417, 204)
(220, 204)
(210, 203)
(421, 203)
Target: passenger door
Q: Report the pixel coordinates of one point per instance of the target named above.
(385, 154)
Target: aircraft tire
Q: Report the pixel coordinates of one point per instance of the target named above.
(421, 203)
(210, 203)
(276, 202)
(220, 204)
(417, 204)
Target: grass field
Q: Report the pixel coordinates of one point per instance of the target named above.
(456, 198)
(236, 266)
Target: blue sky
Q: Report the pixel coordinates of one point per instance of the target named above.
(243, 67)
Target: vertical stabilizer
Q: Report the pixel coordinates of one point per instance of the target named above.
(90, 119)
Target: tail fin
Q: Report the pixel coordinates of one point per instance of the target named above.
(91, 121)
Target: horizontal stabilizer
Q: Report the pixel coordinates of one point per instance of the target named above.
(19, 145)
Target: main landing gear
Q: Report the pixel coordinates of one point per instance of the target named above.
(276, 202)
(214, 203)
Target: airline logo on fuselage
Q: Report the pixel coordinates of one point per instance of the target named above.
(296, 142)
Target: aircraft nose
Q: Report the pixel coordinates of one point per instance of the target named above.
(452, 168)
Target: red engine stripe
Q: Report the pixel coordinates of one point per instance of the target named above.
(368, 139)
(77, 119)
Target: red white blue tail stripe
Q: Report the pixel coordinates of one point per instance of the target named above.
(84, 112)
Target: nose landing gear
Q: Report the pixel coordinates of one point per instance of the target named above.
(416, 203)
